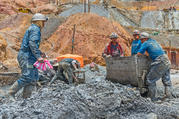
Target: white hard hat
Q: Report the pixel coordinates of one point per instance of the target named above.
(136, 32)
(144, 35)
(113, 35)
(39, 17)
(76, 62)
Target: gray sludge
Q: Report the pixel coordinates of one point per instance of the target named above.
(96, 99)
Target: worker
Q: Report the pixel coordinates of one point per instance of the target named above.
(136, 43)
(65, 70)
(159, 68)
(113, 48)
(28, 54)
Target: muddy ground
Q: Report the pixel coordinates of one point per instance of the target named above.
(96, 99)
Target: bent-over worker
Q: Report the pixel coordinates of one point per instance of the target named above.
(159, 68)
(65, 70)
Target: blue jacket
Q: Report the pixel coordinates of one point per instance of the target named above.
(153, 48)
(30, 44)
(136, 44)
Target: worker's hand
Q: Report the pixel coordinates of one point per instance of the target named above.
(139, 54)
(43, 55)
(103, 55)
(108, 56)
(41, 60)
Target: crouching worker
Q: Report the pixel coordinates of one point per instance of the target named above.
(113, 48)
(28, 54)
(160, 66)
(65, 70)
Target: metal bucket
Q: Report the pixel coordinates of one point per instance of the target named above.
(128, 70)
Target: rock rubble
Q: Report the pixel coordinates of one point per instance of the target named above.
(96, 99)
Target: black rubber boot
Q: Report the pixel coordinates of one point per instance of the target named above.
(152, 92)
(13, 90)
(168, 92)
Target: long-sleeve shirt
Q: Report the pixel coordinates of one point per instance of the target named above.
(30, 44)
(113, 50)
(136, 44)
(153, 48)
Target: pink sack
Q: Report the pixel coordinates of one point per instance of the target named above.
(43, 66)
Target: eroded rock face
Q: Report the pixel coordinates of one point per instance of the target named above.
(3, 45)
(31, 3)
(46, 9)
(6, 9)
(160, 20)
(12, 30)
(13, 6)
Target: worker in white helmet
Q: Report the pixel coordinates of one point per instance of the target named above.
(28, 54)
(160, 66)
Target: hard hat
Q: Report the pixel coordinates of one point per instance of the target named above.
(76, 62)
(144, 35)
(39, 17)
(137, 32)
(113, 35)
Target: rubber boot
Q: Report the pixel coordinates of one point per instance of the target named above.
(27, 91)
(152, 92)
(13, 90)
(168, 91)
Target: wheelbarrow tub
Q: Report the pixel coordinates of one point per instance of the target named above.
(127, 70)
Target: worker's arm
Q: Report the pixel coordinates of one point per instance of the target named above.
(139, 54)
(74, 64)
(105, 52)
(142, 49)
(34, 41)
(121, 50)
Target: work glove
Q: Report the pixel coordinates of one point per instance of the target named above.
(41, 60)
(108, 56)
(103, 55)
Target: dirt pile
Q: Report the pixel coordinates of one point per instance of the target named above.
(96, 99)
(91, 37)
